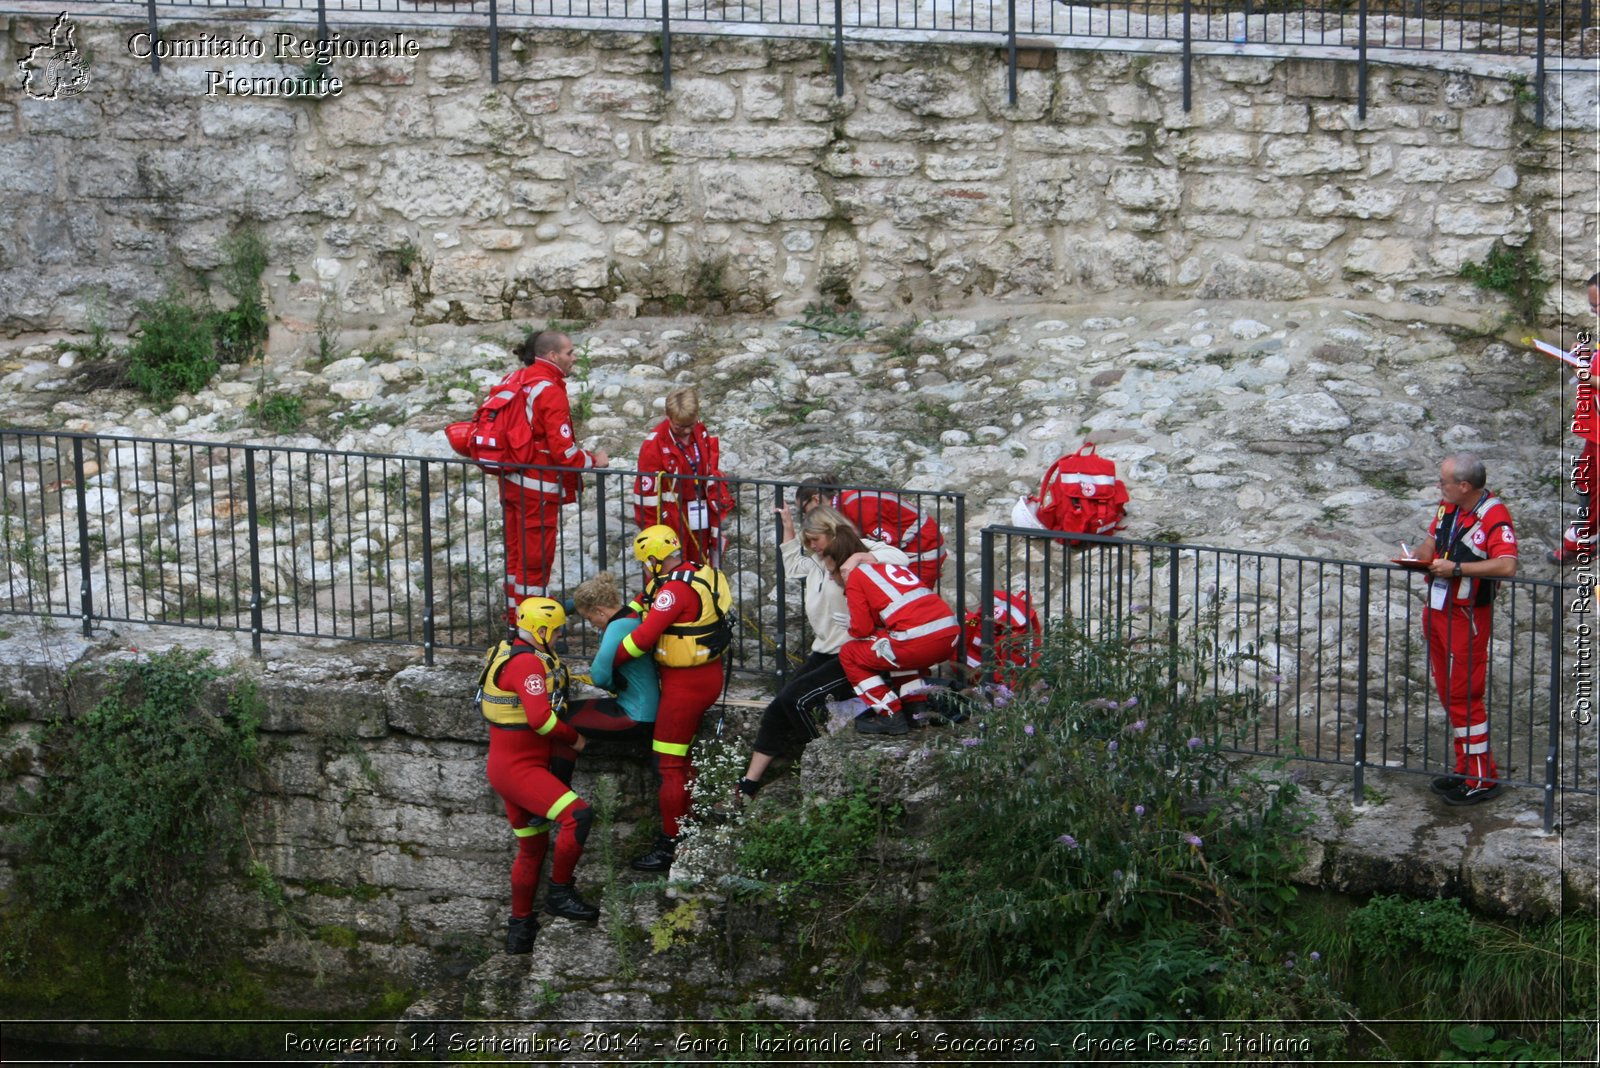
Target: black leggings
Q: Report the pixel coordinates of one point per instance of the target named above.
(791, 717)
(602, 719)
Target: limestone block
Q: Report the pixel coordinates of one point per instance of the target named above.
(565, 265)
(814, 99)
(869, 161)
(1487, 127)
(1364, 202)
(541, 98)
(1238, 195)
(1387, 259)
(1125, 105)
(1145, 188)
(582, 136)
(1298, 235)
(912, 203)
(497, 239)
(1023, 265)
(1034, 94)
(1273, 118)
(1241, 70)
(1067, 141)
(92, 176)
(539, 196)
(964, 168)
(1203, 146)
(483, 120)
(542, 68)
(930, 93)
(1435, 166)
(623, 192)
(1309, 78)
(1448, 257)
(703, 99)
(1302, 413)
(899, 127)
(419, 184)
(468, 271)
(260, 172)
(455, 66)
(631, 98)
(248, 120)
(1056, 191)
(761, 97)
(1118, 260)
(1474, 219)
(761, 193)
(1301, 156)
(767, 142)
(77, 116)
(1231, 278)
(24, 168)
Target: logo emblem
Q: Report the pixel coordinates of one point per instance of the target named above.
(55, 69)
(663, 601)
(646, 484)
(536, 684)
(566, 431)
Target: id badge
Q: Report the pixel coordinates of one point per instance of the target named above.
(699, 517)
(1438, 591)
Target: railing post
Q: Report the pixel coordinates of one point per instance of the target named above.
(85, 591)
(600, 515)
(1363, 633)
(838, 48)
(961, 562)
(322, 20)
(1361, 62)
(427, 567)
(986, 592)
(155, 58)
(494, 39)
(1552, 755)
(1011, 52)
(783, 588)
(666, 49)
(1538, 70)
(1188, 55)
(253, 513)
(1173, 579)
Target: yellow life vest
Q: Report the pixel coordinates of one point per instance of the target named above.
(503, 708)
(702, 641)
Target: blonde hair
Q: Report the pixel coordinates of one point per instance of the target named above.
(601, 591)
(683, 405)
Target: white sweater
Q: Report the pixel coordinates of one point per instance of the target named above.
(826, 610)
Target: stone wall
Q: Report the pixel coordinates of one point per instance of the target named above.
(424, 193)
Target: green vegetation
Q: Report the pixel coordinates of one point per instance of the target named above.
(828, 321)
(281, 413)
(242, 329)
(141, 808)
(1516, 274)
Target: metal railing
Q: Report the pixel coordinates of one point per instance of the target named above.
(1333, 648)
(1545, 30)
(292, 542)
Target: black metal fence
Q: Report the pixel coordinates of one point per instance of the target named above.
(397, 550)
(1545, 30)
(1333, 648)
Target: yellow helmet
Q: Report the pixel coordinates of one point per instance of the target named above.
(540, 617)
(654, 544)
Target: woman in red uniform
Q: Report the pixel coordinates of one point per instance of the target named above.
(523, 693)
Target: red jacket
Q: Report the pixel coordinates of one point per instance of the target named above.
(662, 493)
(892, 598)
(554, 445)
(1016, 634)
(526, 677)
(887, 518)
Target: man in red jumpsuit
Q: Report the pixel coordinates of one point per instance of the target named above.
(675, 459)
(1470, 543)
(522, 695)
(675, 609)
(884, 517)
(532, 498)
(1017, 637)
(898, 626)
(1578, 545)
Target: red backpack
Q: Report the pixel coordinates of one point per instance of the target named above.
(499, 434)
(1081, 494)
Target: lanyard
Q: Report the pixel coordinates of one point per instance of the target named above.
(1457, 528)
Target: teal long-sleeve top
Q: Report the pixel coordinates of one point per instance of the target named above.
(642, 695)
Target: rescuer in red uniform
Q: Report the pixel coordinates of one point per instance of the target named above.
(684, 625)
(670, 489)
(885, 517)
(522, 693)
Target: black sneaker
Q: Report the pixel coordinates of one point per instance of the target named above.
(520, 933)
(563, 901)
(1445, 783)
(893, 724)
(660, 856)
(1475, 796)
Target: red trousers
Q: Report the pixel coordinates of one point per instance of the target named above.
(686, 693)
(537, 799)
(879, 679)
(1458, 651)
(532, 520)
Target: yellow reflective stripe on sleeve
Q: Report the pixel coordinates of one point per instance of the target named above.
(561, 806)
(529, 832)
(549, 724)
(670, 748)
(632, 649)
(635, 606)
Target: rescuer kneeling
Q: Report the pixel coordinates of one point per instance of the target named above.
(532, 751)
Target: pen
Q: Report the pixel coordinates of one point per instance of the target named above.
(1406, 549)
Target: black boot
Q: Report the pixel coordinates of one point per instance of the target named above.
(563, 901)
(520, 933)
(660, 856)
(895, 723)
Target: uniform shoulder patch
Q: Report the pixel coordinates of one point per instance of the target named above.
(535, 684)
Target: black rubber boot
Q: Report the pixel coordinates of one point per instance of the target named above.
(563, 901)
(520, 933)
(895, 723)
(660, 856)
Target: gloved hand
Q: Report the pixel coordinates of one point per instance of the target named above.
(883, 650)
